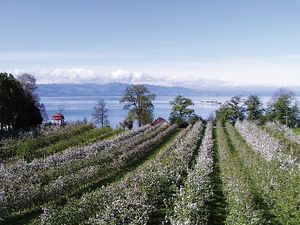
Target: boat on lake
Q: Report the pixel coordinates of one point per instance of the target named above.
(210, 102)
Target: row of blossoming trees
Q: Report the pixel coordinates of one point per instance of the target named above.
(282, 108)
(259, 179)
(243, 172)
(209, 173)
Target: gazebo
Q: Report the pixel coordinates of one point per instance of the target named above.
(58, 119)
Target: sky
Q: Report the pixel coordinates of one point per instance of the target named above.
(188, 43)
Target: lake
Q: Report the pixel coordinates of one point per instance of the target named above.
(79, 107)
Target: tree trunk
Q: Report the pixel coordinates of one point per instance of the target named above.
(140, 121)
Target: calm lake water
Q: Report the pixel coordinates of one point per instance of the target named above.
(79, 107)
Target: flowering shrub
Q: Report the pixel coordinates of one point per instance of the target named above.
(132, 200)
(85, 138)
(20, 194)
(236, 185)
(277, 189)
(27, 145)
(269, 147)
(191, 206)
(286, 131)
(248, 173)
(21, 169)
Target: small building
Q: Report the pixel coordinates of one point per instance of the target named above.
(58, 119)
(158, 121)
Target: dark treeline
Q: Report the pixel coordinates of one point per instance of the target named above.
(18, 107)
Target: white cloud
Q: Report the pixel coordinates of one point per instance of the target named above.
(275, 71)
(87, 75)
(189, 75)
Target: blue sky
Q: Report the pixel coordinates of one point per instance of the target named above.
(187, 43)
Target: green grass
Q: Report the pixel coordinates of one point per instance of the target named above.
(297, 130)
(29, 148)
(85, 138)
(236, 141)
(290, 147)
(159, 214)
(218, 204)
(151, 156)
(31, 216)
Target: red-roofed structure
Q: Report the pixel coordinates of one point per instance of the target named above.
(58, 118)
(158, 121)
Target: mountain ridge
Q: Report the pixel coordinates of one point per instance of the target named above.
(117, 89)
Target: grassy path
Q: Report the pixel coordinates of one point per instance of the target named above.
(29, 217)
(218, 205)
(258, 202)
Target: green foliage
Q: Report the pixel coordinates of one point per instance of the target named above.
(17, 107)
(240, 197)
(139, 100)
(30, 148)
(283, 109)
(127, 123)
(231, 110)
(253, 107)
(289, 146)
(28, 83)
(277, 189)
(296, 130)
(181, 114)
(84, 138)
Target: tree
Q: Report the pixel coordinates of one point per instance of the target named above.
(28, 83)
(85, 120)
(139, 100)
(253, 107)
(128, 121)
(17, 107)
(231, 110)
(100, 114)
(181, 114)
(283, 108)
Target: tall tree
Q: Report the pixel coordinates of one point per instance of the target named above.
(139, 100)
(181, 113)
(254, 107)
(100, 114)
(29, 85)
(283, 108)
(17, 108)
(231, 110)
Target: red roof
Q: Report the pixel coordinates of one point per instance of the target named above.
(158, 121)
(58, 116)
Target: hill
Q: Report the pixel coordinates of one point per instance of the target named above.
(117, 89)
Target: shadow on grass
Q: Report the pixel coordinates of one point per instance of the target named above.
(258, 202)
(159, 214)
(217, 205)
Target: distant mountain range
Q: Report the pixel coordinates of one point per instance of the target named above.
(117, 89)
